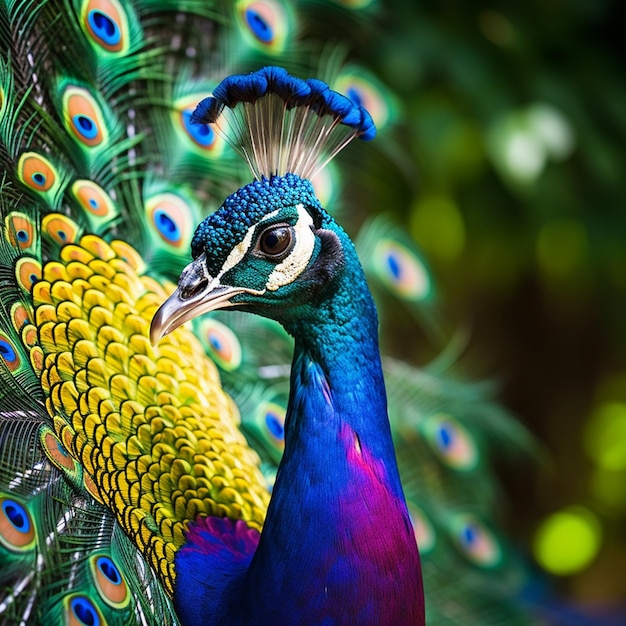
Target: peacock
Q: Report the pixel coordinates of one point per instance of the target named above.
(161, 466)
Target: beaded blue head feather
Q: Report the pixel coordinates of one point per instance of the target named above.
(280, 124)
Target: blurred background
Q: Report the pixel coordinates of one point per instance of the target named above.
(501, 151)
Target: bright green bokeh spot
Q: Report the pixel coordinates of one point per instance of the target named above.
(437, 226)
(561, 247)
(605, 436)
(567, 541)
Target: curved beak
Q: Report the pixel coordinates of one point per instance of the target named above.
(197, 293)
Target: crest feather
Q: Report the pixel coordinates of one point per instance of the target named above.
(280, 124)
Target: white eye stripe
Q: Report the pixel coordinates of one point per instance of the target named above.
(241, 249)
(237, 253)
(295, 263)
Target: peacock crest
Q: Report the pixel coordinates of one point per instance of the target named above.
(280, 124)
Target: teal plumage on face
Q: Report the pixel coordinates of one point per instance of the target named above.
(276, 252)
(257, 252)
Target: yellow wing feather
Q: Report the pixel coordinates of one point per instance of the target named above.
(156, 435)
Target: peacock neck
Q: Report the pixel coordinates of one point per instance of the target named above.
(336, 379)
(337, 544)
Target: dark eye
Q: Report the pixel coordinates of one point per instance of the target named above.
(275, 240)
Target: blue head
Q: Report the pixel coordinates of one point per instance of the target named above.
(271, 249)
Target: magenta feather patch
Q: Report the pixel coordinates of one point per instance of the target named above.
(222, 535)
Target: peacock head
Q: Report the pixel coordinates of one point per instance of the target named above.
(271, 248)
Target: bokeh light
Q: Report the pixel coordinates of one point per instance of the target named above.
(567, 541)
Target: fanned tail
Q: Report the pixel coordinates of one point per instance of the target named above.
(99, 150)
(90, 129)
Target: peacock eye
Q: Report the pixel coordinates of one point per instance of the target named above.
(275, 241)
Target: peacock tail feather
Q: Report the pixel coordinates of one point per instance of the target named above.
(110, 446)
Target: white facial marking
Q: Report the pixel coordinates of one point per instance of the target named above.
(293, 265)
(241, 249)
(237, 253)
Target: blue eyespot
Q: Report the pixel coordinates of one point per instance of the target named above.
(109, 583)
(84, 611)
(39, 179)
(109, 570)
(452, 443)
(475, 541)
(60, 450)
(104, 27)
(85, 126)
(275, 425)
(17, 529)
(222, 344)
(468, 534)
(202, 134)
(355, 95)
(17, 515)
(7, 352)
(170, 215)
(445, 436)
(259, 27)
(166, 225)
(215, 342)
(394, 267)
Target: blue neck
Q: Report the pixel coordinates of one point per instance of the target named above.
(322, 553)
(338, 354)
(337, 545)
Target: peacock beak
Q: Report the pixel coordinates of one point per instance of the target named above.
(197, 293)
(176, 310)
